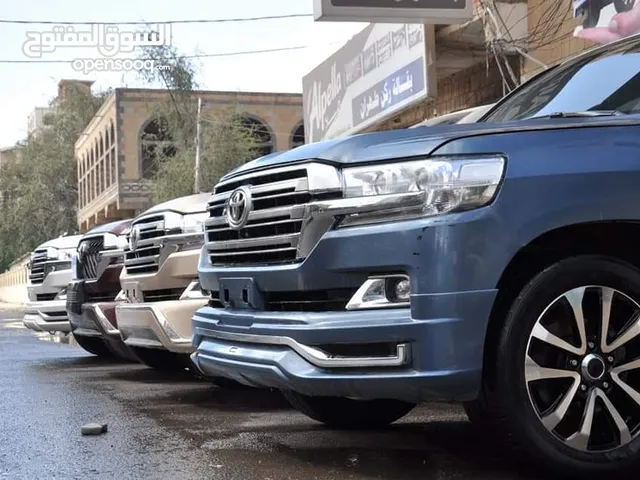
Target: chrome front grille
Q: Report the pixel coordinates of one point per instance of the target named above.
(38, 267)
(145, 257)
(273, 227)
(89, 256)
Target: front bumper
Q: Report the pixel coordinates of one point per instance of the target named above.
(162, 325)
(438, 357)
(47, 316)
(454, 263)
(54, 282)
(99, 320)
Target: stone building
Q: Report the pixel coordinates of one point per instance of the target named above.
(113, 155)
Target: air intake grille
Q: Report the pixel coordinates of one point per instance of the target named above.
(274, 224)
(146, 255)
(89, 256)
(38, 267)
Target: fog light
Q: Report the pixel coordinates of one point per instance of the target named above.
(389, 291)
(401, 290)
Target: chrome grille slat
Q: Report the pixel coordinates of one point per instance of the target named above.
(297, 185)
(38, 265)
(294, 212)
(272, 231)
(250, 226)
(255, 242)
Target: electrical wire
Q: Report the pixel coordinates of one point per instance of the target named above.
(164, 22)
(203, 55)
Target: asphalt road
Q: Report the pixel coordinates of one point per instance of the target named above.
(175, 427)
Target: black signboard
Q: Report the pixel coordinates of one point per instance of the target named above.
(426, 4)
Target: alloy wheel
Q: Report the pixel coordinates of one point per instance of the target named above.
(582, 368)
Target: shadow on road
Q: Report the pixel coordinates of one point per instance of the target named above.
(433, 450)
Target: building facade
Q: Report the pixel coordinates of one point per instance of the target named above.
(114, 177)
(36, 121)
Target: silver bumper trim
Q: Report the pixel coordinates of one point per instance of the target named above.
(313, 355)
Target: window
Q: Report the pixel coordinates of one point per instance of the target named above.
(261, 133)
(605, 79)
(156, 144)
(114, 165)
(297, 137)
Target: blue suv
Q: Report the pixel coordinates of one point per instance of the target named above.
(493, 264)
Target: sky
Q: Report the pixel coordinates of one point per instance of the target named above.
(24, 86)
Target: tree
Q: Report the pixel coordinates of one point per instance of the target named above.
(225, 142)
(40, 190)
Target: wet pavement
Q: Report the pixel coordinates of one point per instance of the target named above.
(175, 427)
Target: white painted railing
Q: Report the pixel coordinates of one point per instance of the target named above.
(13, 282)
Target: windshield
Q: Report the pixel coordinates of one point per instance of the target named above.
(605, 80)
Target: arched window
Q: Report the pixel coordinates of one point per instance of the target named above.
(261, 132)
(297, 136)
(112, 136)
(156, 144)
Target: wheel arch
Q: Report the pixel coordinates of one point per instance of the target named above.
(617, 239)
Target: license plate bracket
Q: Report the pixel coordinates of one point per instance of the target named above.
(240, 294)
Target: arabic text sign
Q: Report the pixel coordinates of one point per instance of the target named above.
(390, 92)
(333, 92)
(108, 39)
(395, 11)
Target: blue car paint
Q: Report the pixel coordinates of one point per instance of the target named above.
(559, 172)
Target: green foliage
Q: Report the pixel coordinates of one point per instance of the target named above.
(225, 143)
(40, 190)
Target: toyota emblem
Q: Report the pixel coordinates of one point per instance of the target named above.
(134, 237)
(238, 207)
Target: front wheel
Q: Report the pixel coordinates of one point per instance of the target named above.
(345, 413)
(567, 385)
(94, 345)
(162, 360)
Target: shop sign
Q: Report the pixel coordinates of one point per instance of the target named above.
(380, 71)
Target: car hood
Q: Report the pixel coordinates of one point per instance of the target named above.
(62, 242)
(413, 142)
(184, 205)
(116, 227)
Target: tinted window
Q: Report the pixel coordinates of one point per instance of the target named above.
(605, 80)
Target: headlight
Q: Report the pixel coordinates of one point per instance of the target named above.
(194, 223)
(116, 242)
(191, 223)
(449, 184)
(58, 254)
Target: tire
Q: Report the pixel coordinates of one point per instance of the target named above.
(623, 5)
(95, 346)
(344, 413)
(162, 360)
(516, 404)
(228, 384)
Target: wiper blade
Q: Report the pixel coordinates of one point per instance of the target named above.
(586, 113)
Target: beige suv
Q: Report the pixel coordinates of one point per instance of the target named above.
(160, 282)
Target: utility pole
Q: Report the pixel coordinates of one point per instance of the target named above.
(198, 140)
